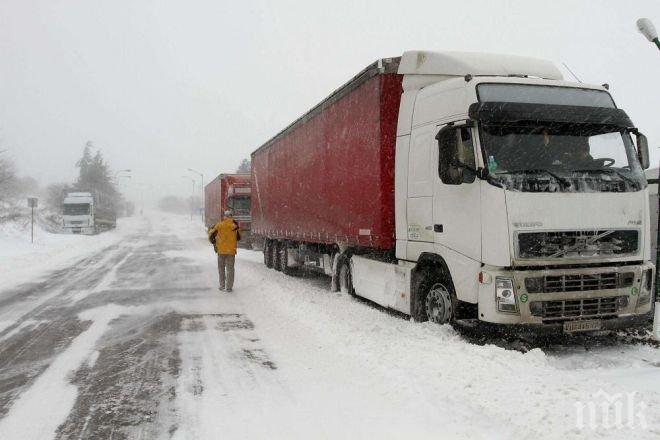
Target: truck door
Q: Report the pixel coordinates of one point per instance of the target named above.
(421, 172)
(456, 193)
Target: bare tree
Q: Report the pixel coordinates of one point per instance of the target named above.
(7, 175)
(55, 195)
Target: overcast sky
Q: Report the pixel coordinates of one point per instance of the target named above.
(160, 86)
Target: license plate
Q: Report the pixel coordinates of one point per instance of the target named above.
(582, 326)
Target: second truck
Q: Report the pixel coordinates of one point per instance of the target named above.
(230, 192)
(87, 213)
(462, 187)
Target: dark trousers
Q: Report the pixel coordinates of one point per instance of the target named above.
(226, 270)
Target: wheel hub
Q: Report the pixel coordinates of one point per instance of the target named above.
(438, 304)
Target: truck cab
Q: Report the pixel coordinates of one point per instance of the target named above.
(78, 213)
(239, 201)
(520, 198)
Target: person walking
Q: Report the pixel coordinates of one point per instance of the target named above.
(225, 235)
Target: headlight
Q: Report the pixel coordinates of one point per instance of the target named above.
(505, 295)
(645, 288)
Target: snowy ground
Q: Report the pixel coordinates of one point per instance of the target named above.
(124, 335)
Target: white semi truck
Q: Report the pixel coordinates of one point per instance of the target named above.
(83, 214)
(518, 198)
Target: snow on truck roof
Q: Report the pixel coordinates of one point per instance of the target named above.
(417, 62)
(78, 197)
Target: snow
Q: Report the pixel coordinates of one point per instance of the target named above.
(283, 357)
(22, 261)
(52, 396)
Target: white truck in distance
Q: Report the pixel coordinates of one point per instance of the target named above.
(519, 199)
(81, 214)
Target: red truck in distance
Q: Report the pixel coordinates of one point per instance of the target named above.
(230, 191)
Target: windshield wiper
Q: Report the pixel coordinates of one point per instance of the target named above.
(564, 181)
(609, 171)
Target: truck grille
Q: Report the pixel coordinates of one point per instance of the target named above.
(577, 244)
(578, 308)
(579, 282)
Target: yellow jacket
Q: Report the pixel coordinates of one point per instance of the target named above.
(226, 237)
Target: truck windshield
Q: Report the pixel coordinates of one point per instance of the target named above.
(561, 158)
(76, 209)
(240, 205)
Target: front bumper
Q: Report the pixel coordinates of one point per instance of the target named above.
(616, 307)
(84, 230)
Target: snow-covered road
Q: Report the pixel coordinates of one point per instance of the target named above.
(133, 340)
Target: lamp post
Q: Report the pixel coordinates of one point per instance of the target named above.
(646, 28)
(122, 171)
(202, 192)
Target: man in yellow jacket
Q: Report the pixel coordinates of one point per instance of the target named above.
(226, 239)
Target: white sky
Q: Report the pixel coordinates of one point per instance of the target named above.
(161, 86)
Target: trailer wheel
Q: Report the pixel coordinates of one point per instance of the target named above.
(268, 254)
(435, 300)
(275, 251)
(284, 260)
(345, 275)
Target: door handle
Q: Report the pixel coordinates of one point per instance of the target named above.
(437, 228)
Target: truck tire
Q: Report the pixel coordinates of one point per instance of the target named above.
(284, 260)
(345, 276)
(268, 254)
(275, 251)
(434, 299)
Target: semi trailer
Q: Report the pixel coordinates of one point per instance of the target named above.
(462, 187)
(230, 192)
(87, 213)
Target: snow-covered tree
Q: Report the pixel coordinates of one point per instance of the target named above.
(95, 177)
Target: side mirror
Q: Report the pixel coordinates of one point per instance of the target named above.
(643, 151)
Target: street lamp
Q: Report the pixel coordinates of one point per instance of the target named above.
(122, 171)
(202, 191)
(646, 28)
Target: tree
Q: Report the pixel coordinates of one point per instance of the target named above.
(7, 176)
(244, 167)
(94, 177)
(26, 186)
(55, 194)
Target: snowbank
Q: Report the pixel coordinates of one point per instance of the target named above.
(22, 261)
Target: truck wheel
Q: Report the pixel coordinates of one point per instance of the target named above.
(435, 300)
(275, 251)
(438, 304)
(345, 276)
(284, 260)
(268, 254)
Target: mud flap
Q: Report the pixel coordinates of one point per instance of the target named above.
(656, 322)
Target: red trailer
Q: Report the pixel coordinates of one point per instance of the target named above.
(328, 178)
(230, 191)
